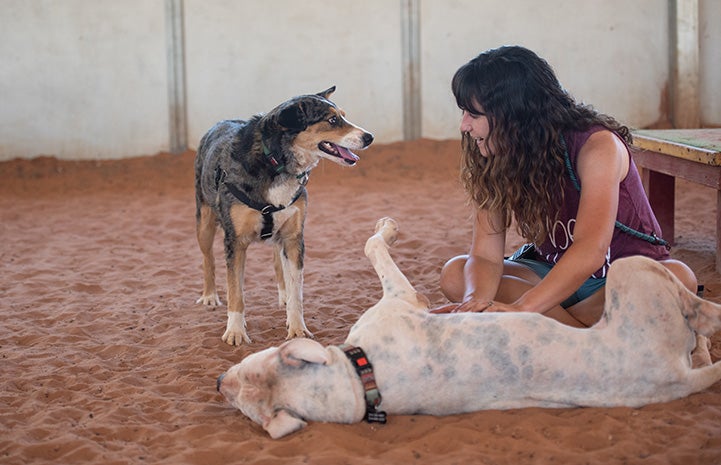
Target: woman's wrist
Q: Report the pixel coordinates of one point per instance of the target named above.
(525, 303)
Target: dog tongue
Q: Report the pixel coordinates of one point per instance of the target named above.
(347, 155)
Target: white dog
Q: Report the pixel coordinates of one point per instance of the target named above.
(422, 363)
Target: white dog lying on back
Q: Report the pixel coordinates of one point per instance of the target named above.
(422, 363)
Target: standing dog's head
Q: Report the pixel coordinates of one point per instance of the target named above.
(313, 127)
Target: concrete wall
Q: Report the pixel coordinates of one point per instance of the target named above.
(87, 79)
(246, 57)
(82, 78)
(710, 61)
(616, 62)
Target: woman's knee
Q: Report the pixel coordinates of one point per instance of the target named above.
(682, 272)
(452, 280)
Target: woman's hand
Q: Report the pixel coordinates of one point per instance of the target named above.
(471, 305)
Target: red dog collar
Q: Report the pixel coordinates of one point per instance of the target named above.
(365, 370)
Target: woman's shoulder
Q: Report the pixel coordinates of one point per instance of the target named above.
(599, 135)
(578, 137)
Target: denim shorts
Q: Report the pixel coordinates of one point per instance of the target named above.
(542, 268)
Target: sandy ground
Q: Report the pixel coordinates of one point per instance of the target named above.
(106, 358)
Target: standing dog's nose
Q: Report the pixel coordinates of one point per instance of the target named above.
(367, 139)
(219, 381)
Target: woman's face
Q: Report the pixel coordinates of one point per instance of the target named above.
(475, 123)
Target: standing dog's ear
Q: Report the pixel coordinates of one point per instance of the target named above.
(293, 117)
(326, 93)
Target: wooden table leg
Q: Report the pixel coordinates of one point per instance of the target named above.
(660, 189)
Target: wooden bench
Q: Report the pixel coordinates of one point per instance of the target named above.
(691, 154)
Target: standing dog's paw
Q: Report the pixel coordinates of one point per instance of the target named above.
(235, 339)
(235, 333)
(211, 300)
(298, 331)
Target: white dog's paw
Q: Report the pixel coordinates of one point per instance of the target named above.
(211, 300)
(235, 333)
(701, 357)
(388, 229)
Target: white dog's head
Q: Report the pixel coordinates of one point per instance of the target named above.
(281, 387)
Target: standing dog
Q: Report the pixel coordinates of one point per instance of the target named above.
(250, 176)
(423, 363)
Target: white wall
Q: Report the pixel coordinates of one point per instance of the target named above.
(246, 57)
(82, 78)
(87, 79)
(710, 61)
(616, 62)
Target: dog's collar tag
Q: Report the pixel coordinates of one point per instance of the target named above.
(303, 178)
(363, 367)
(277, 166)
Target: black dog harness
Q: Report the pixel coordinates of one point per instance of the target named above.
(365, 370)
(266, 209)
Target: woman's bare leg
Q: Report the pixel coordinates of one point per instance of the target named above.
(516, 280)
(589, 310)
(682, 272)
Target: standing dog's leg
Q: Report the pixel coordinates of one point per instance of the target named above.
(205, 227)
(279, 278)
(290, 252)
(395, 284)
(235, 332)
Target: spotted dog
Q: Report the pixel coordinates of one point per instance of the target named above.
(399, 358)
(250, 177)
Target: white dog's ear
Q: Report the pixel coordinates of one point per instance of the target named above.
(297, 351)
(282, 423)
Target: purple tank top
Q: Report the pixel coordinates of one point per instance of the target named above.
(633, 210)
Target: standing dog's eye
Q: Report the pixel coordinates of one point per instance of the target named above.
(333, 121)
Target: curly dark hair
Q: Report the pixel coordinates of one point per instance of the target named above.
(528, 111)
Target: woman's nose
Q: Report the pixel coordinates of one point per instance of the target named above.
(465, 123)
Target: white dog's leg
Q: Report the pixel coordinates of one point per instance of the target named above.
(395, 284)
(701, 357)
(630, 274)
(702, 315)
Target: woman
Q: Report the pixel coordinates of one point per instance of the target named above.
(562, 173)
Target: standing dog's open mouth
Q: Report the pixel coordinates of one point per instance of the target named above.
(338, 151)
